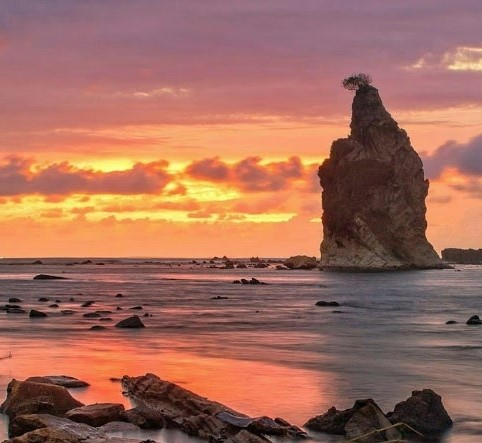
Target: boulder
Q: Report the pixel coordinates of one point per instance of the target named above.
(334, 421)
(301, 262)
(37, 314)
(130, 322)
(424, 412)
(373, 196)
(59, 380)
(24, 397)
(97, 414)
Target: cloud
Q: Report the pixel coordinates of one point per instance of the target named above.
(19, 176)
(250, 174)
(465, 157)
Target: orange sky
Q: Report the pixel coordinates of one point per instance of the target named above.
(171, 129)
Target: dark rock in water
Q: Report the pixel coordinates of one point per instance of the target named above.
(15, 311)
(48, 277)
(14, 300)
(219, 297)
(137, 308)
(92, 315)
(199, 417)
(37, 314)
(463, 256)
(59, 380)
(236, 282)
(474, 320)
(244, 281)
(55, 305)
(424, 412)
(43, 299)
(241, 266)
(97, 328)
(25, 397)
(327, 303)
(451, 322)
(103, 311)
(301, 262)
(119, 295)
(130, 322)
(97, 414)
(334, 421)
(105, 319)
(86, 262)
(118, 308)
(58, 301)
(67, 312)
(37, 262)
(254, 281)
(87, 304)
(374, 194)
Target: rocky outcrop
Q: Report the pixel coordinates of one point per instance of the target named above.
(374, 195)
(97, 414)
(199, 417)
(463, 256)
(301, 262)
(59, 380)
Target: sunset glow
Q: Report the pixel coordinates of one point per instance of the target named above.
(197, 129)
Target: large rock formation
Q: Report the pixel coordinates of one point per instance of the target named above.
(463, 256)
(374, 195)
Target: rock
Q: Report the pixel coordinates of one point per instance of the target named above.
(327, 303)
(97, 328)
(46, 435)
(137, 308)
(236, 282)
(43, 299)
(92, 315)
(241, 266)
(87, 304)
(301, 262)
(97, 414)
(148, 418)
(67, 312)
(119, 295)
(474, 320)
(367, 420)
(59, 380)
(37, 262)
(15, 311)
(334, 421)
(219, 297)
(374, 196)
(424, 412)
(48, 277)
(54, 305)
(37, 314)
(24, 397)
(197, 416)
(463, 256)
(109, 319)
(451, 322)
(244, 281)
(14, 300)
(130, 322)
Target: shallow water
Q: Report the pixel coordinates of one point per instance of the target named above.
(265, 350)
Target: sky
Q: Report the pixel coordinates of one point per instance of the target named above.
(195, 128)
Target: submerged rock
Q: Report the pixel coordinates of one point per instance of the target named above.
(373, 196)
(48, 277)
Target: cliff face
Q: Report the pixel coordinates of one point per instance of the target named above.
(374, 195)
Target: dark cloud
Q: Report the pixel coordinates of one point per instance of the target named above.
(18, 176)
(465, 157)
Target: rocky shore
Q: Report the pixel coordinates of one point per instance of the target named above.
(42, 410)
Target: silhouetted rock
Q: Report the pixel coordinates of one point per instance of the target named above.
(48, 277)
(14, 300)
(374, 196)
(424, 412)
(301, 262)
(327, 303)
(451, 322)
(43, 299)
(463, 256)
(130, 322)
(92, 315)
(37, 314)
(97, 328)
(15, 310)
(474, 320)
(37, 262)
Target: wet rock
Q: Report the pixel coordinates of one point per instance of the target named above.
(59, 380)
(374, 193)
(37, 314)
(130, 322)
(334, 421)
(195, 415)
(474, 320)
(14, 300)
(25, 397)
(424, 412)
(301, 262)
(327, 303)
(48, 277)
(451, 322)
(97, 414)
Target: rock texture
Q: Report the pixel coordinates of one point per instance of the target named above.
(463, 256)
(374, 195)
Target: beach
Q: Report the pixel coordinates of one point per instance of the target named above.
(261, 349)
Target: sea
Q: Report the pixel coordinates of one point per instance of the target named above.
(262, 349)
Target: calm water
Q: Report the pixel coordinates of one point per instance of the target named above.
(265, 350)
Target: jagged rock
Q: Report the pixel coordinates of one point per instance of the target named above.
(301, 262)
(424, 412)
(97, 414)
(148, 418)
(130, 322)
(59, 380)
(367, 420)
(374, 195)
(24, 397)
(334, 421)
(198, 416)
(463, 256)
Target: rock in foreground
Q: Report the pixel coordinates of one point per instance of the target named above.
(374, 196)
(200, 417)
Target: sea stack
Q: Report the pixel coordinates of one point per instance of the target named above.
(374, 194)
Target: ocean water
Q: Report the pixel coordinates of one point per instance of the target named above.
(265, 349)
